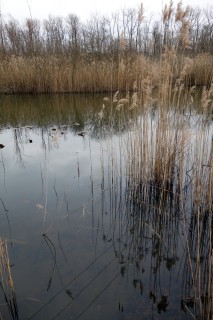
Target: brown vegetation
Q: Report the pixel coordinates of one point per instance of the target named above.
(6, 282)
(65, 55)
(169, 179)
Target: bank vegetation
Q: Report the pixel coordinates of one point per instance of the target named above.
(107, 53)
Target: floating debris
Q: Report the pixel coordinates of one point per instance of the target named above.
(1, 146)
(135, 282)
(39, 206)
(53, 129)
(163, 304)
(152, 296)
(30, 141)
(120, 307)
(69, 293)
(82, 134)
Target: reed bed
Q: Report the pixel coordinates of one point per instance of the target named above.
(54, 74)
(43, 66)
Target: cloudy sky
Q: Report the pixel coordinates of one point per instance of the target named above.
(40, 9)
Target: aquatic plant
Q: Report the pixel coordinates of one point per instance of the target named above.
(6, 281)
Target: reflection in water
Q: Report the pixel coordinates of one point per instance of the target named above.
(105, 220)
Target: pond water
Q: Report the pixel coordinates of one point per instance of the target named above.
(78, 247)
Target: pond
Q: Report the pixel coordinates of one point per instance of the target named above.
(91, 233)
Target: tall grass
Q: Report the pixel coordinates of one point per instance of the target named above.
(169, 169)
(165, 159)
(6, 281)
(58, 75)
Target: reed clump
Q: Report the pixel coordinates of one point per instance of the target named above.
(168, 152)
(167, 168)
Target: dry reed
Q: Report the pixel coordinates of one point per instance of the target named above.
(52, 74)
(6, 281)
(168, 154)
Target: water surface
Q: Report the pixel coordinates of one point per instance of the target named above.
(80, 246)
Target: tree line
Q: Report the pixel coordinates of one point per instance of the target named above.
(127, 31)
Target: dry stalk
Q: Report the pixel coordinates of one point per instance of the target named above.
(6, 281)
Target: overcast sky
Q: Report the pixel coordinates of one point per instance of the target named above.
(40, 9)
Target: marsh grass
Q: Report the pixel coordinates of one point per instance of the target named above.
(56, 74)
(82, 71)
(168, 154)
(6, 281)
(44, 66)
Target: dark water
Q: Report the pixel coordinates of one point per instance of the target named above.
(79, 246)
